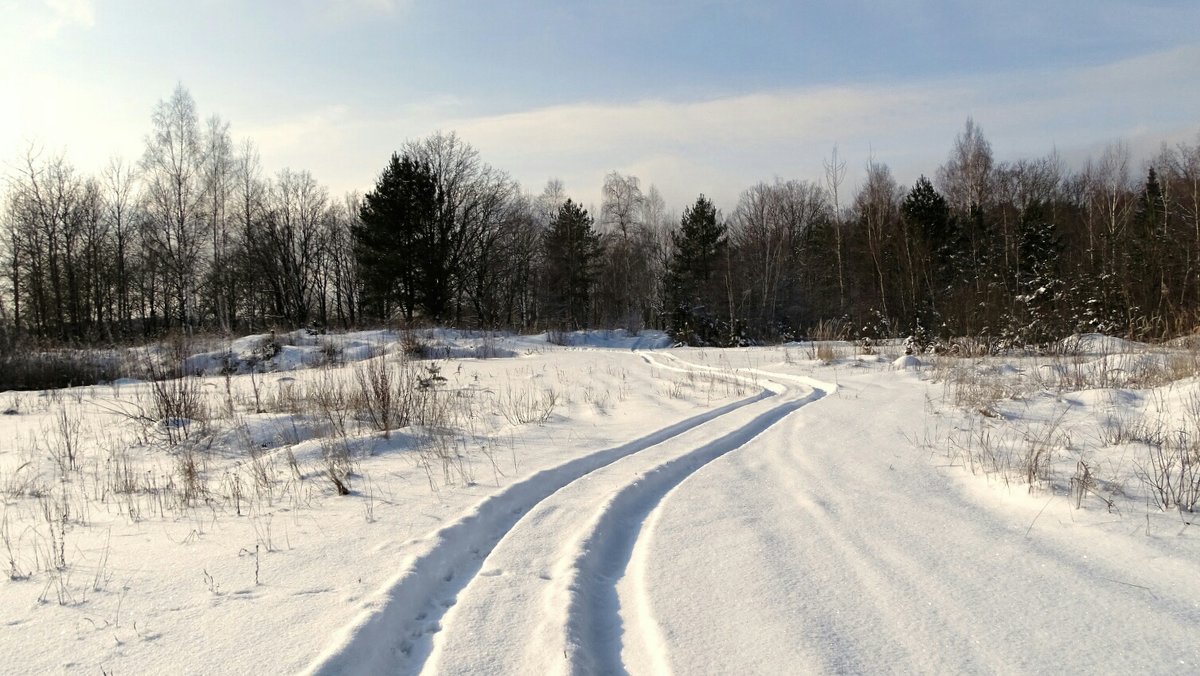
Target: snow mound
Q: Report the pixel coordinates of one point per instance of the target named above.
(1003, 370)
(1098, 344)
(301, 349)
(1191, 342)
(611, 339)
(907, 361)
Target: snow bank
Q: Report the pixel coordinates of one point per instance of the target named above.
(1098, 344)
(612, 339)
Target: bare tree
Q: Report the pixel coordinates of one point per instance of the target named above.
(768, 229)
(218, 182)
(627, 266)
(550, 201)
(621, 204)
(250, 195)
(44, 215)
(656, 243)
(964, 178)
(342, 269)
(92, 266)
(172, 167)
(295, 237)
(835, 174)
(1109, 207)
(1180, 174)
(120, 186)
(877, 205)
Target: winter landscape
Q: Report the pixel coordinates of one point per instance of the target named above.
(757, 337)
(486, 503)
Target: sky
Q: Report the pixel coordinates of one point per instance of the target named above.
(692, 97)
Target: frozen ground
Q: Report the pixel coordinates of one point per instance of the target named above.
(607, 506)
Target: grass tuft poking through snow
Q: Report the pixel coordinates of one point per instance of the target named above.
(1121, 427)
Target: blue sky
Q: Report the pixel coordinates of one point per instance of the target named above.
(693, 97)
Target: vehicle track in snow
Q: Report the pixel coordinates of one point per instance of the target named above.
(547, 600)
(526, 580)
(841, 551)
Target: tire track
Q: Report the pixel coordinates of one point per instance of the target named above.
(857, 558)
(594, 626)
(393, 634)
(547, 599)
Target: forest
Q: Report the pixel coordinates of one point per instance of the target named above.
(196, 236)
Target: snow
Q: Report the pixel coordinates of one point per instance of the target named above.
(1099, 344)
(605, 503)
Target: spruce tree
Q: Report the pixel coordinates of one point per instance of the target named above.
(928, 213)
(1151, 255)
(1039, 280)
(693, 281)
(571, 248)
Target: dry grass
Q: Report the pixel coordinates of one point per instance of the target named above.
(524, 405)
(1018, 450)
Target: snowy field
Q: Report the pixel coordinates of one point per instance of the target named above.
(476, 503)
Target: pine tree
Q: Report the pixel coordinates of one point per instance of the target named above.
(571, 251)
(693, 282)
(391, 239)
(928, 213)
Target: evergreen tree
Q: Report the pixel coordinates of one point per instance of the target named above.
(1150, 255)
(927, 216)
(926, 209)
(693, 281)
(571, 252)
(1039, 280)
(392, 237)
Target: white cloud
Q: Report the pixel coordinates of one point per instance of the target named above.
(28, 22)
(718, 146)
(81, 12)
(353, 9)
(722, 146)
(26, 25)
(379, 5)
(325, 127)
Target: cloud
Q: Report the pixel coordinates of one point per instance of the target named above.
(723, 145)
(378, 5)
(80, 12)
(26, 24)
(718, 146)
(344, 10)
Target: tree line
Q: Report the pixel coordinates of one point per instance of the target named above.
(196, 236)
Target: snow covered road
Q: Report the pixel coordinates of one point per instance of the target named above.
(543, 598)
(773, 537)
(826, 546)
